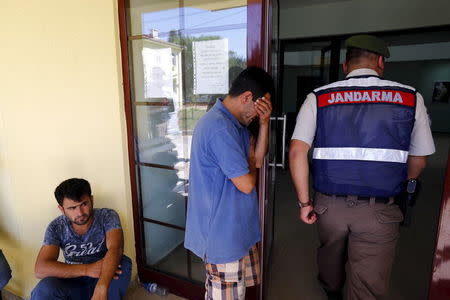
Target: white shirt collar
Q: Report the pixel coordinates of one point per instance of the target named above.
(362, 72)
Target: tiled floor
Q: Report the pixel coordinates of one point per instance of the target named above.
(292, 270)
(142, 294)
(8, 296)
(137, 292)
(134, 293)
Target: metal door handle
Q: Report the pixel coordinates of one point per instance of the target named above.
(283, 153)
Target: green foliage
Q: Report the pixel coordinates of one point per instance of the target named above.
(188, 117)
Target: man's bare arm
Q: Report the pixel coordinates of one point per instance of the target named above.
(261, 145)
(263, 107)
(47, 265)
(416, 164)
(246, 183)
(114, 243)
(298, 164)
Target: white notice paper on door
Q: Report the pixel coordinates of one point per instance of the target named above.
(210, 66)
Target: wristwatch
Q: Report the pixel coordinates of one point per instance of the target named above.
(411, 185)
(304, 204)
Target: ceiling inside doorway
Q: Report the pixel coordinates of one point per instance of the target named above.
(298, 3)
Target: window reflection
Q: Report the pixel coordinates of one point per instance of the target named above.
(180, 72)
(163, 196)
(183, 59)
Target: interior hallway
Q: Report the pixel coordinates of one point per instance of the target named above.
(293, 267)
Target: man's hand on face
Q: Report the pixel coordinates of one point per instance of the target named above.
(264, 109)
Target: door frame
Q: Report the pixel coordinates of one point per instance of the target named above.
(259, 36)
(258, 11)
(439, 287)
(439, 284)
(178, 287)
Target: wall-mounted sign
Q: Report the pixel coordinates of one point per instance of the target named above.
(441, 92)
(210, 66)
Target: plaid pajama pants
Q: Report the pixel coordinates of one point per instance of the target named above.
(228, 281)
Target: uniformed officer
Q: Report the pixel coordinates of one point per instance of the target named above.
(370, 135)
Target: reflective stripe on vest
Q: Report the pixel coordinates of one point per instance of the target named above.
(367, 154)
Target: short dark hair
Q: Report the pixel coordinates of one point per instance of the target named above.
(73, 188)
(355, 55)
(253, 79)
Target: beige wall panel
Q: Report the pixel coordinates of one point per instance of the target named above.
(61, 116)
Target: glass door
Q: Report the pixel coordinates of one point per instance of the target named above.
(178, 58)
(268, 182)
(297, 69)
(420, 58)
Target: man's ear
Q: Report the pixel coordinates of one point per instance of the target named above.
(380, 62)
(246, 97)
(92, 200)
(61, 209)
(345, 67)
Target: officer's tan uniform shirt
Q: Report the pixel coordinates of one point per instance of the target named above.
(422, 143)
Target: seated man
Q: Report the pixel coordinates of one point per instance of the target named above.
(5, 271)
(92, 243)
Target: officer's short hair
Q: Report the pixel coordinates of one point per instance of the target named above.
(355, 55)
(73, 189)
(253, 79)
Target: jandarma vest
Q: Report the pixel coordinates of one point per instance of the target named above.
(364, 126)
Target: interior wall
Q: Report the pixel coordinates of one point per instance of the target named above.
(422, 75)
(290, 75)
(61, 116)
(340, 17)
(357, 16)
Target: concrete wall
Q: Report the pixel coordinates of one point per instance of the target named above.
(61, 116)
(354, 16)
(420, 66)
(423, 75)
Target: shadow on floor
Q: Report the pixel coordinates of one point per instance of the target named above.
(293, 270)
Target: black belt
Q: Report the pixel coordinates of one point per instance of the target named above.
(362, 198)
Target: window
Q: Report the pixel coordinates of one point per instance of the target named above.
(183, 55)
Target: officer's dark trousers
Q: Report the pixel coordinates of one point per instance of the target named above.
(362, 234)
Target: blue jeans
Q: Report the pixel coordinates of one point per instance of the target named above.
(5, 271)
(82, 288)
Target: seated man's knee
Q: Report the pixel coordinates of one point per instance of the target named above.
(5, 271)
(5, 276)
(125, 267)
(46, 288)
(126, 263)
(118, 287)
